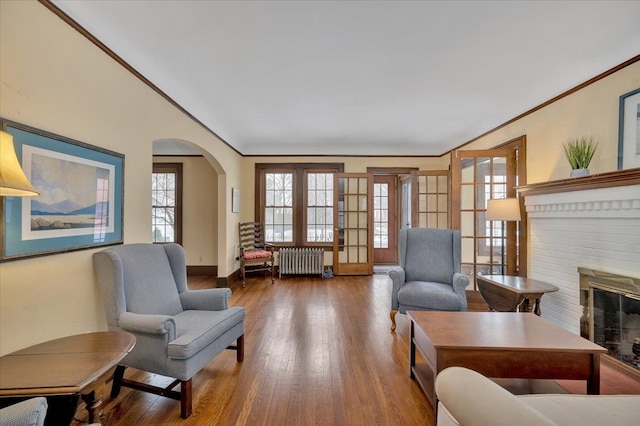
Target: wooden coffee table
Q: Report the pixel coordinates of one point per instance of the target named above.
(64, 370)
(507, 293)
(499, 345)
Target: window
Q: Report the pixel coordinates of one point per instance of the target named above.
(166, 190)
(295, 201)
(381, 215)
(319, 207)
(278, 210)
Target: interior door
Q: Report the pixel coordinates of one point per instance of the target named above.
(385, 230)
(353, 235)
(477, 176)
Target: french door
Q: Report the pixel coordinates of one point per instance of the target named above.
(488, 247)
(353, 231)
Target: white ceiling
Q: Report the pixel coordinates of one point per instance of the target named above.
(361, 77)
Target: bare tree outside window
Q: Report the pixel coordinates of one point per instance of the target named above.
(166, 193)
(295, 202)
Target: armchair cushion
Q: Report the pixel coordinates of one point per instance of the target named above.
(428, 295)
(203, 327)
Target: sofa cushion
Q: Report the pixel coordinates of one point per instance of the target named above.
(429, 295)
(473, 400)
(581, 410)
(204, 327)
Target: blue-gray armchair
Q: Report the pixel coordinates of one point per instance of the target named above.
(429, 277)
(178, 331)
(30, 412)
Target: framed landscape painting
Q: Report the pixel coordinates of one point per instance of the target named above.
(80, 201)
(629, 131)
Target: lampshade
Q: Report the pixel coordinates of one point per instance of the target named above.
(503, 209)
(13, 182)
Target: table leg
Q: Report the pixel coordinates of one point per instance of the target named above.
(593, 382)
(93, 406)
(536, 307)
(412, 352)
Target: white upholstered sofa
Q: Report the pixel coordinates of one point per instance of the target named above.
(467, 398)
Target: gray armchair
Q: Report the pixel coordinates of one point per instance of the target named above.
(429, 277)
(30, 412)
(178, 331)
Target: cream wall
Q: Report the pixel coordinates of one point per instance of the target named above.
(199, 209)
(593, 110)
(54, 79)
(589, 111)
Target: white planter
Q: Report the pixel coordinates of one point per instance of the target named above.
(579, 172)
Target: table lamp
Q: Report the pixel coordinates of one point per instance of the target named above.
(504, 209)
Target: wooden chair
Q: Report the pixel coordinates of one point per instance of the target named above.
(255, 254)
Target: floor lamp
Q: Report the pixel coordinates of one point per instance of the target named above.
(504, 209)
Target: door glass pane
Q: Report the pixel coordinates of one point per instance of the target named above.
(278, 211)
(380, 215)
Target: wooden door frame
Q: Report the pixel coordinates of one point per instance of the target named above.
(396, 171)
(519, 146)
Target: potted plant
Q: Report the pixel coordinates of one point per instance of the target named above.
(579, 152)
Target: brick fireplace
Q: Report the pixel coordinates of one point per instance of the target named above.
(591, 222)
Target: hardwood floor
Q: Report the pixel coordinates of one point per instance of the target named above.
(318, 352)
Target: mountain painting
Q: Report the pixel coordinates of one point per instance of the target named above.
(74, 195)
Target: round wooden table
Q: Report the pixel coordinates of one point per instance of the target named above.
(63, 370)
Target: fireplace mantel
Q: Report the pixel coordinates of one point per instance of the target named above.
(601, 180)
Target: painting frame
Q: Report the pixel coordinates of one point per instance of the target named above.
(81, 196)
(629, 130)
(235, 200)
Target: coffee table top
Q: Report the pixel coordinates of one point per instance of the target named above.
(517, 284)
(498, 330)
(62, 366)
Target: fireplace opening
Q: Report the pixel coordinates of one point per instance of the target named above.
(611, 314)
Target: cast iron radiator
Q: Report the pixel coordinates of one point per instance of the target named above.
(301, 260)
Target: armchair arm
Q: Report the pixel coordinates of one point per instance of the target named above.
(397, 276)
(149, 324)
(213, 299)
(460, 283)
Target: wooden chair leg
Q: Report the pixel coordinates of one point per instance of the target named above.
(118, 374)
(243, 274)
(393, 319)
(185, 398)
(240, 349)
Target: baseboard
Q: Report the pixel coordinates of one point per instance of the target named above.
(202, 270)
(228, 281)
